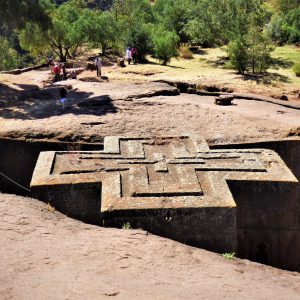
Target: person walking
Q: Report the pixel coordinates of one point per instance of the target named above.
(63, 98)
(98, 64)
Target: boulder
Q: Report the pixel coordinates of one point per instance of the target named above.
(224, 100)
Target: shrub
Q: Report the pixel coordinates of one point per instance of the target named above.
(165, 46)
(238, 54)
(229, 255)
(297, 69)
(126, 226)
(185, 52)
(250, 51)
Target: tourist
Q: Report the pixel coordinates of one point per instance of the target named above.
(64, 72)
(98, 64)
(128, 55)
(63, 98)
(49, 60)
(134, 55)
(50, 63)
(56, 72)
(73, 75)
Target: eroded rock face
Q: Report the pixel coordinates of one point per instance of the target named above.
(178, 188)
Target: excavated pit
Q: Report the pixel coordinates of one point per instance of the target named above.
(18, 159)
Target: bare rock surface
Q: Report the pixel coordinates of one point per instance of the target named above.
(45, 255)
(28, 109)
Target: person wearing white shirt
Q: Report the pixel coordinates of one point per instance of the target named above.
(98, 64)
(128, 55)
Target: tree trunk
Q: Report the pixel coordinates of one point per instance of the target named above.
(62, 55)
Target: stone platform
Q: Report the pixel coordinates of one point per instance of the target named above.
(171, 186)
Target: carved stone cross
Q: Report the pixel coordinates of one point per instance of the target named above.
(173, 186)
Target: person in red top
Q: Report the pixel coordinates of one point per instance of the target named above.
(56, 71)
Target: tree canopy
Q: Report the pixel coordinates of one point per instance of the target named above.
(64, 26)
(15, 13)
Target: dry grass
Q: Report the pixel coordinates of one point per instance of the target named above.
(208, 66)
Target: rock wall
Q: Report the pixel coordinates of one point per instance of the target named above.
(269, 231)
(18, 159)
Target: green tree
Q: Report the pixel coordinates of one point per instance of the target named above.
(216, 22)
(285, 23)
(259, 50)
(251, 51)
(139, 36)
(165, 46)
(15, 13)
(133, 11)
(237, 51)
(173, 15)
(63, 37)
(9, 58)
(99, 29)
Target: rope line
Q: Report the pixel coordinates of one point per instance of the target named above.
(15, 182)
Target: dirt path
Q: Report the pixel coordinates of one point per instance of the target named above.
(45, 255)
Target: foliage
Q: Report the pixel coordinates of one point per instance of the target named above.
(238, 54)
(215, 22)
(251, 51)
(64, 26)
(165, 46)
(173, 15)
(259, 50)
(126, 226)
(297, 69)
(133, 11)
(139, 36)
(64, 36)
(9, 58)
(15, 13)
(229, 255)
(285, 23)
(209, 22)
(99, 29)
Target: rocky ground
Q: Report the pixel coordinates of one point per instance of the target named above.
(45, 255)
(97, 109)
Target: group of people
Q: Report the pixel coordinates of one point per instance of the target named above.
(131, 55)
(59, 70)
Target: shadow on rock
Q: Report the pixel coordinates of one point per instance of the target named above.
(266, 78)
(36, 104)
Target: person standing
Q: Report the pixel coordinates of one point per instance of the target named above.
(50, 63)
(98, 64)
(128, 55)
(64, 72)
(134, 55)
(63, 98)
